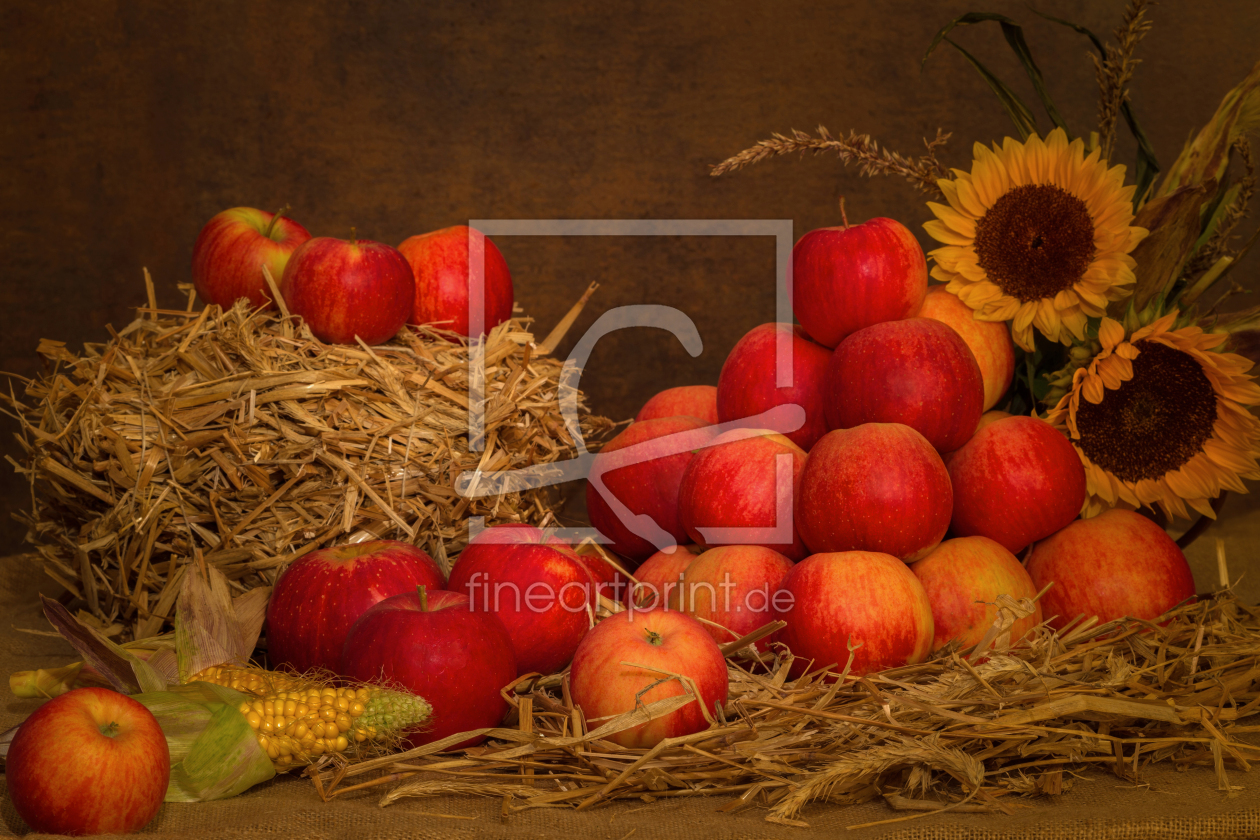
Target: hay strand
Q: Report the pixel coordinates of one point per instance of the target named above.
(235, 438)
(956, 733)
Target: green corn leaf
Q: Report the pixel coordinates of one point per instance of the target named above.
(1147, 165)
(1024, 121)
(1213, 213)
(214, 752)
(1098, 44)
(1014, 35)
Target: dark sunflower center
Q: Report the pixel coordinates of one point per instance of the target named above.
(1153, 423)
(1035, 241)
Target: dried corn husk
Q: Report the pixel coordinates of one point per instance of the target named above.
(214, 752)
(185, 679)
(233, 439)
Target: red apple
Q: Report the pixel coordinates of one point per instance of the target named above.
(1016, 481)
(232, 249)
(539, 588)
(660, 642)
(610, 581)
(877, 487)
(442, 647)
(445, 285)
(1115, 565)
(918, 372)
(733, 586)
(989, 341)
(345, 289)
(661, 573)
(861, 599)
(847, 278)
(748, 386)
(642, 470)
(746, 480)
(698, 401)
(985, 419)
(323, 593)
(91, 761)
(963, 578)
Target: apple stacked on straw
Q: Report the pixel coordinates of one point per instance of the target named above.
(352, 290)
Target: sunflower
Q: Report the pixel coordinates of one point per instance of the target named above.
(1036, 234)
(1163, 419)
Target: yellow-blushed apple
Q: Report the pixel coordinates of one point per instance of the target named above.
(1115, 565)
(733, 586)
(698, 401)
(863, 604)
(652, 645)
(231, 250)
(963, 578)
(876, 487)
(659, 574)
(348, 289)
(917, 372)
(1017, 480)
(741, 489)
(748, 383)
(91, 761)
(642, 469)
(989, 341)
(446, 264)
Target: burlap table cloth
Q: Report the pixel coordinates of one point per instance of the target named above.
(1164, 804)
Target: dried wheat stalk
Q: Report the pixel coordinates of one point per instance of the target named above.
(923, 172)
(959, 732)
(235, 438)
(1115, 70)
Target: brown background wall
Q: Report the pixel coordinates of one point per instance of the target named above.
(126, 125)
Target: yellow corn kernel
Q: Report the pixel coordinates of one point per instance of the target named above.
(297, 721)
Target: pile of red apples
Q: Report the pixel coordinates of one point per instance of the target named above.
(880, 517)
(895, 513)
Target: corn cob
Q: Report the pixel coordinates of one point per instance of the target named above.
(297, 719)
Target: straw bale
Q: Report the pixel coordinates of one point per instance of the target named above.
(236, 439)
(968, 730)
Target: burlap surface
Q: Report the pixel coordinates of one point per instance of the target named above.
(1164, 804)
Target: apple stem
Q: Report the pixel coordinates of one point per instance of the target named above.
(272, 224)
(424, 597)
(354, 237)
(654, 638)
(844, 217)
